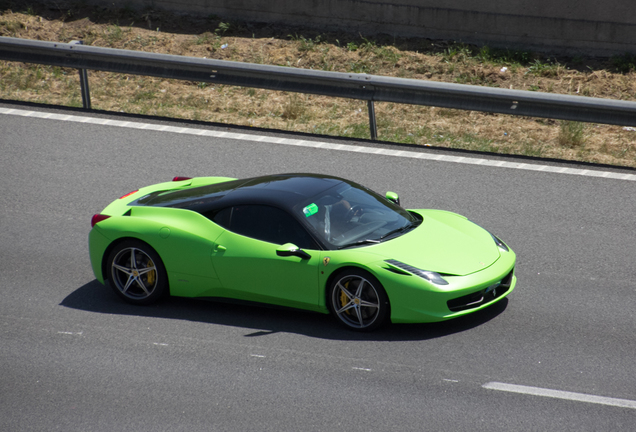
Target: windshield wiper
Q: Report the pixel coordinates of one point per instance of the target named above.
(359, 242)
(397, 230)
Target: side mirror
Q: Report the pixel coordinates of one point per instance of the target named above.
(290, 249)
(393, 197)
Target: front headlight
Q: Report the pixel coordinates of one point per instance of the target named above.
(499, 243)
(430, 276)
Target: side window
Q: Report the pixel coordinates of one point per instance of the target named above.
(221, 217)
(268, 224)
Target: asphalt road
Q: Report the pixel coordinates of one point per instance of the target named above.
(75, 358)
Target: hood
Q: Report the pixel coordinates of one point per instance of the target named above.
(444, 243)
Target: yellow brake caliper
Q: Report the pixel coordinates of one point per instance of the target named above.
(344, 299)
(151, 276)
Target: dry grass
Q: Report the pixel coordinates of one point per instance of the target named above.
(420, 59)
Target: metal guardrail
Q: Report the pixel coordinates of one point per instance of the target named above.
(336, 84)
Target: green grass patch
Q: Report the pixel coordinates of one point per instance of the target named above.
(306, 44)
(624, 63)
(572, 134)
(549, 69)
(294, 108)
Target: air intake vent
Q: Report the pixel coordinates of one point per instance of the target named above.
(484, 296)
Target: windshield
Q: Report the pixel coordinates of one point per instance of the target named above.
(349, 215)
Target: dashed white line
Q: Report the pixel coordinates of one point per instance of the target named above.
(323, 145)
(361, 369)
(559, 394)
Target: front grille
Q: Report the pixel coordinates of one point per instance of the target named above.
(479, 298)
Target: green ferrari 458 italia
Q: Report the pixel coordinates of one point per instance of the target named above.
(307, 241)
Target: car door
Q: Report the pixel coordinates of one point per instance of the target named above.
(246, 260)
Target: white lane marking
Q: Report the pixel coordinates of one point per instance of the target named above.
(559, 394)
(257, 355)
(160, 344)
(362, 369)
(70, 333)
(450, 380)
(323, 145)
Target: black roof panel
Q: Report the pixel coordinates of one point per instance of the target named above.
(280, 190)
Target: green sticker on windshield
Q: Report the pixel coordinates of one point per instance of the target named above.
(311, 209)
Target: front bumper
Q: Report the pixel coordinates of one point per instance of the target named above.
(414, 300)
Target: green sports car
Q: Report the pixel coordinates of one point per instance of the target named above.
(306, 241)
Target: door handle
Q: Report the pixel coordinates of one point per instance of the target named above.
(220, 248)
(293, 252)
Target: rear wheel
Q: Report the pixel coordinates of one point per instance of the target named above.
(358, 301)
(136, 273)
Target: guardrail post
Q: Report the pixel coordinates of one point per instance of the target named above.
(86, 95)
(373, 127)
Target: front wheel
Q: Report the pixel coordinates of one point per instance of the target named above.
(358, 301)
(136, 273)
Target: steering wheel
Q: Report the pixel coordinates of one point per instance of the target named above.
(352, 212)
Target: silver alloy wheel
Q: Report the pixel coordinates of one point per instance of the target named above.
(356, 301)
(134, 273)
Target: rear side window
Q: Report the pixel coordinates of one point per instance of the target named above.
(221, 217)
(264, 223)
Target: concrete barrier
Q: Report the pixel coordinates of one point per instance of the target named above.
(566, 26)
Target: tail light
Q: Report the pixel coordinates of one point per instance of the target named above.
(97, 219)
(180, 178)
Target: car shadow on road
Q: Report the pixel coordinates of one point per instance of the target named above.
(262, 321)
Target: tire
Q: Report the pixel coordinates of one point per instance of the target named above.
(136, 273)
(358, 300)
